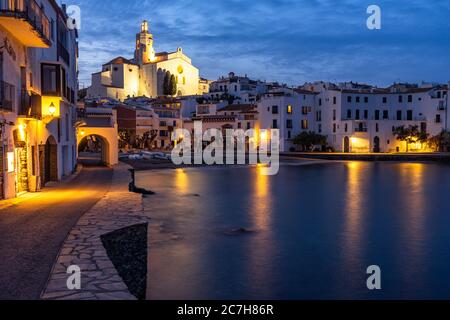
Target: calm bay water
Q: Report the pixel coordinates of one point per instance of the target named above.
(314, 231)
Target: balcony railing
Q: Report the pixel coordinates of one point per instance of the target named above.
(30, 12)
(63, 53)
(361, 129)
(7, 95)
(30, 105)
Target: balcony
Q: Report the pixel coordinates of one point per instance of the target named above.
(7, 95)
(26, 20)
(63, 53)
(30, 105)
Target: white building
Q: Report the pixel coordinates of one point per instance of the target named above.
(244, 89)
(290, 111)
(144, 75)
(38, 86)
(361, 118)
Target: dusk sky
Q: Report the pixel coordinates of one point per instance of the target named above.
(290, 41)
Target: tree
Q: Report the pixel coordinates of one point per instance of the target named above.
(440, 142)
(145, 141)
(409, 135)
(166, 84)
(173, 86)
(307, 140)
(125, 139)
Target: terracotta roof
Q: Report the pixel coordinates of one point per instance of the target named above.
(119, 60)
(303, 91)
(214, 118)
(238, 107)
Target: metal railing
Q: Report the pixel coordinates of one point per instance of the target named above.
(30, 11)
(30, 105)
(7, 95)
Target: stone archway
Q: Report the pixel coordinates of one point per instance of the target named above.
(98, 146)
(376, 145)
(346, 145)
(93, 150)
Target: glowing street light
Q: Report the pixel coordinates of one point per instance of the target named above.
(52, 109)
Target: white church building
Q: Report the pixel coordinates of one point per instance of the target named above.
(144, 75)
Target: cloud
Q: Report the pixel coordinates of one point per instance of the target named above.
(289, 41)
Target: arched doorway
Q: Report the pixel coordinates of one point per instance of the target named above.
(93, 150)
(48, 161)
(347, 145)
(376, 145)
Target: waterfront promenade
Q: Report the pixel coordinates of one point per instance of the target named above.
(34, 227)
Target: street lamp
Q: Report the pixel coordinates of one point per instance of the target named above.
(52, 109)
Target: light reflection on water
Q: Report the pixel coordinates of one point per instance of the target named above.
(314, 230)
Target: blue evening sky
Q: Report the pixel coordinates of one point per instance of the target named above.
(290, 41)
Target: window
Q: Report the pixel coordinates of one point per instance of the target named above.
(239, 125)
(409, 115)
(366, 114)
(320, 128)
(319, 116)
(366, 99)
(289, 124)
(384, 100)
(400, 99)
(305, 110)
(346, 127)
(399, 115)
(116, 69)
(334, 100)
(304, 124)
(357, 116)
(334, 115)
(410, 98)
(51, 80)
(358, 99)
(438, 118)
(52, 29)
(385, 114)
(349, 114)
(320, 102)
(377, 127)
(274, 109)
(349, 99)
(334, 127)
(66, 125)
(275, 124)
(249, 126)
(289, 109)
(377, 114)
(289, 134)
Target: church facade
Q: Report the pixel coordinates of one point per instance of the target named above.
(146, 73)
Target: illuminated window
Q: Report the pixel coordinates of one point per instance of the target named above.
(289, 109)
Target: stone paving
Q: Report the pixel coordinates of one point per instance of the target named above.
(99, 279)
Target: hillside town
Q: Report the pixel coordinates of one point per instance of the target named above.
(94, 205)
(142, 100)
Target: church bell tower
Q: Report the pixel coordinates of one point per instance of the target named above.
(145, 53)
